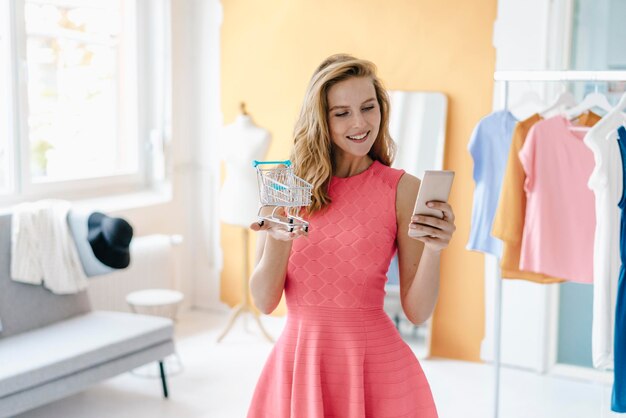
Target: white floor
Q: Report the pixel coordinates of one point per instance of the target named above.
(218, 380)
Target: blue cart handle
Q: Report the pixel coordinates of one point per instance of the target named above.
(285, 162)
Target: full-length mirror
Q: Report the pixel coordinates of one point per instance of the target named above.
(417, 123)
(418, 126)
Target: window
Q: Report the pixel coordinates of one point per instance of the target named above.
(5, 117)
(597, 43)
(84, 117)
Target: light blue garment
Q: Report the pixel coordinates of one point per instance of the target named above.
(489, 147)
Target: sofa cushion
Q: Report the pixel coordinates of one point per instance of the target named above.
(58, 350)
(24, 307)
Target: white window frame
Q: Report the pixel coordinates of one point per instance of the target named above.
(152, 119)
(8, 105)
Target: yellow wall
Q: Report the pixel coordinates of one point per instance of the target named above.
(269, 50)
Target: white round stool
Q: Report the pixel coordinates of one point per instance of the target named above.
(157, 302)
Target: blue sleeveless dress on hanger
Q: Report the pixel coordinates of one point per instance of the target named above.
(618, 400)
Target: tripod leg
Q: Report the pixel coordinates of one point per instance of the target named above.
(263, 330)
(231, 321)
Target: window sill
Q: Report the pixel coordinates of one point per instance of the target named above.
(126, 201)
(145, 198)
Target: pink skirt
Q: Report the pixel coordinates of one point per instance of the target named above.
(344, 363)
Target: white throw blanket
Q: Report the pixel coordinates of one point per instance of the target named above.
(42, 247)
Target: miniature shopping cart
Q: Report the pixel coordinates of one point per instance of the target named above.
(281, 188)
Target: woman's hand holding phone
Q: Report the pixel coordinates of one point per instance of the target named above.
(433, 218)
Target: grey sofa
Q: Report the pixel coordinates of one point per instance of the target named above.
(52, 346)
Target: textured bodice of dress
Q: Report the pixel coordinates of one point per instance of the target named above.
(344, 261)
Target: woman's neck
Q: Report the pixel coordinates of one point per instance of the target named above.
(348, 167)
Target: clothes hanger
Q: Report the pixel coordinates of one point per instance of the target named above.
(564, 100)
(592, 100)
(529, 100)
(529, 97)
(620, 107)
(621, 104)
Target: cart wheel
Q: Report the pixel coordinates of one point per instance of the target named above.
(290, 220)
(261, 222)
(306, 228)
(291, 228)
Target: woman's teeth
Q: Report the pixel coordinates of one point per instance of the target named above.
(358, 137)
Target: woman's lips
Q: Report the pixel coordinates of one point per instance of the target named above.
(358, 138)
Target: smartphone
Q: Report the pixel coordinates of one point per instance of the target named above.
(436, 185)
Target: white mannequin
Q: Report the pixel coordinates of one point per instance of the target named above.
(241, 143)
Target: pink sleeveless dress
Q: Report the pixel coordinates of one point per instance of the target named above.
(340, 354)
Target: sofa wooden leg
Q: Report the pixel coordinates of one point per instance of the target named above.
(163, 381)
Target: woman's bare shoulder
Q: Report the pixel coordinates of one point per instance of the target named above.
(408, 187)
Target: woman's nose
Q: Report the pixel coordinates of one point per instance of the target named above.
(358, 120)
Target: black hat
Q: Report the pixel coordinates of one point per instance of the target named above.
(77, 221)
(109, 239)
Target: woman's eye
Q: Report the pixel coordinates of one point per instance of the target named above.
(368, 108)
(341, 114)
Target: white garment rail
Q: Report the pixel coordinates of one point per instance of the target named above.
(541, 76)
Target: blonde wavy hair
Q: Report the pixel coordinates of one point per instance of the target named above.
(312, 152)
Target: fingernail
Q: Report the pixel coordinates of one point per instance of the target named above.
(429, 204)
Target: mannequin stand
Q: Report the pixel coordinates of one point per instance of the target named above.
(245, 306)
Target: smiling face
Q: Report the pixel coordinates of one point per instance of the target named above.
(353, 117)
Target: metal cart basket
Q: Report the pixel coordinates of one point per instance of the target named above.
(280, 188)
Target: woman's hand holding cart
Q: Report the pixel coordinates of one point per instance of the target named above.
(281, 194)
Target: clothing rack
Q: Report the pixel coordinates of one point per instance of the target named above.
(542, 76)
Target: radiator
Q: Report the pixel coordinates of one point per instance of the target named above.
(152, 266)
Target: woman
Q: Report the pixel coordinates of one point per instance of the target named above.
(340, 355)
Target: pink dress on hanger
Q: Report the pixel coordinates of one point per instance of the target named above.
(340, 355)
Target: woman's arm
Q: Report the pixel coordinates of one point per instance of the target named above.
(419, 258)
(268, 278)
